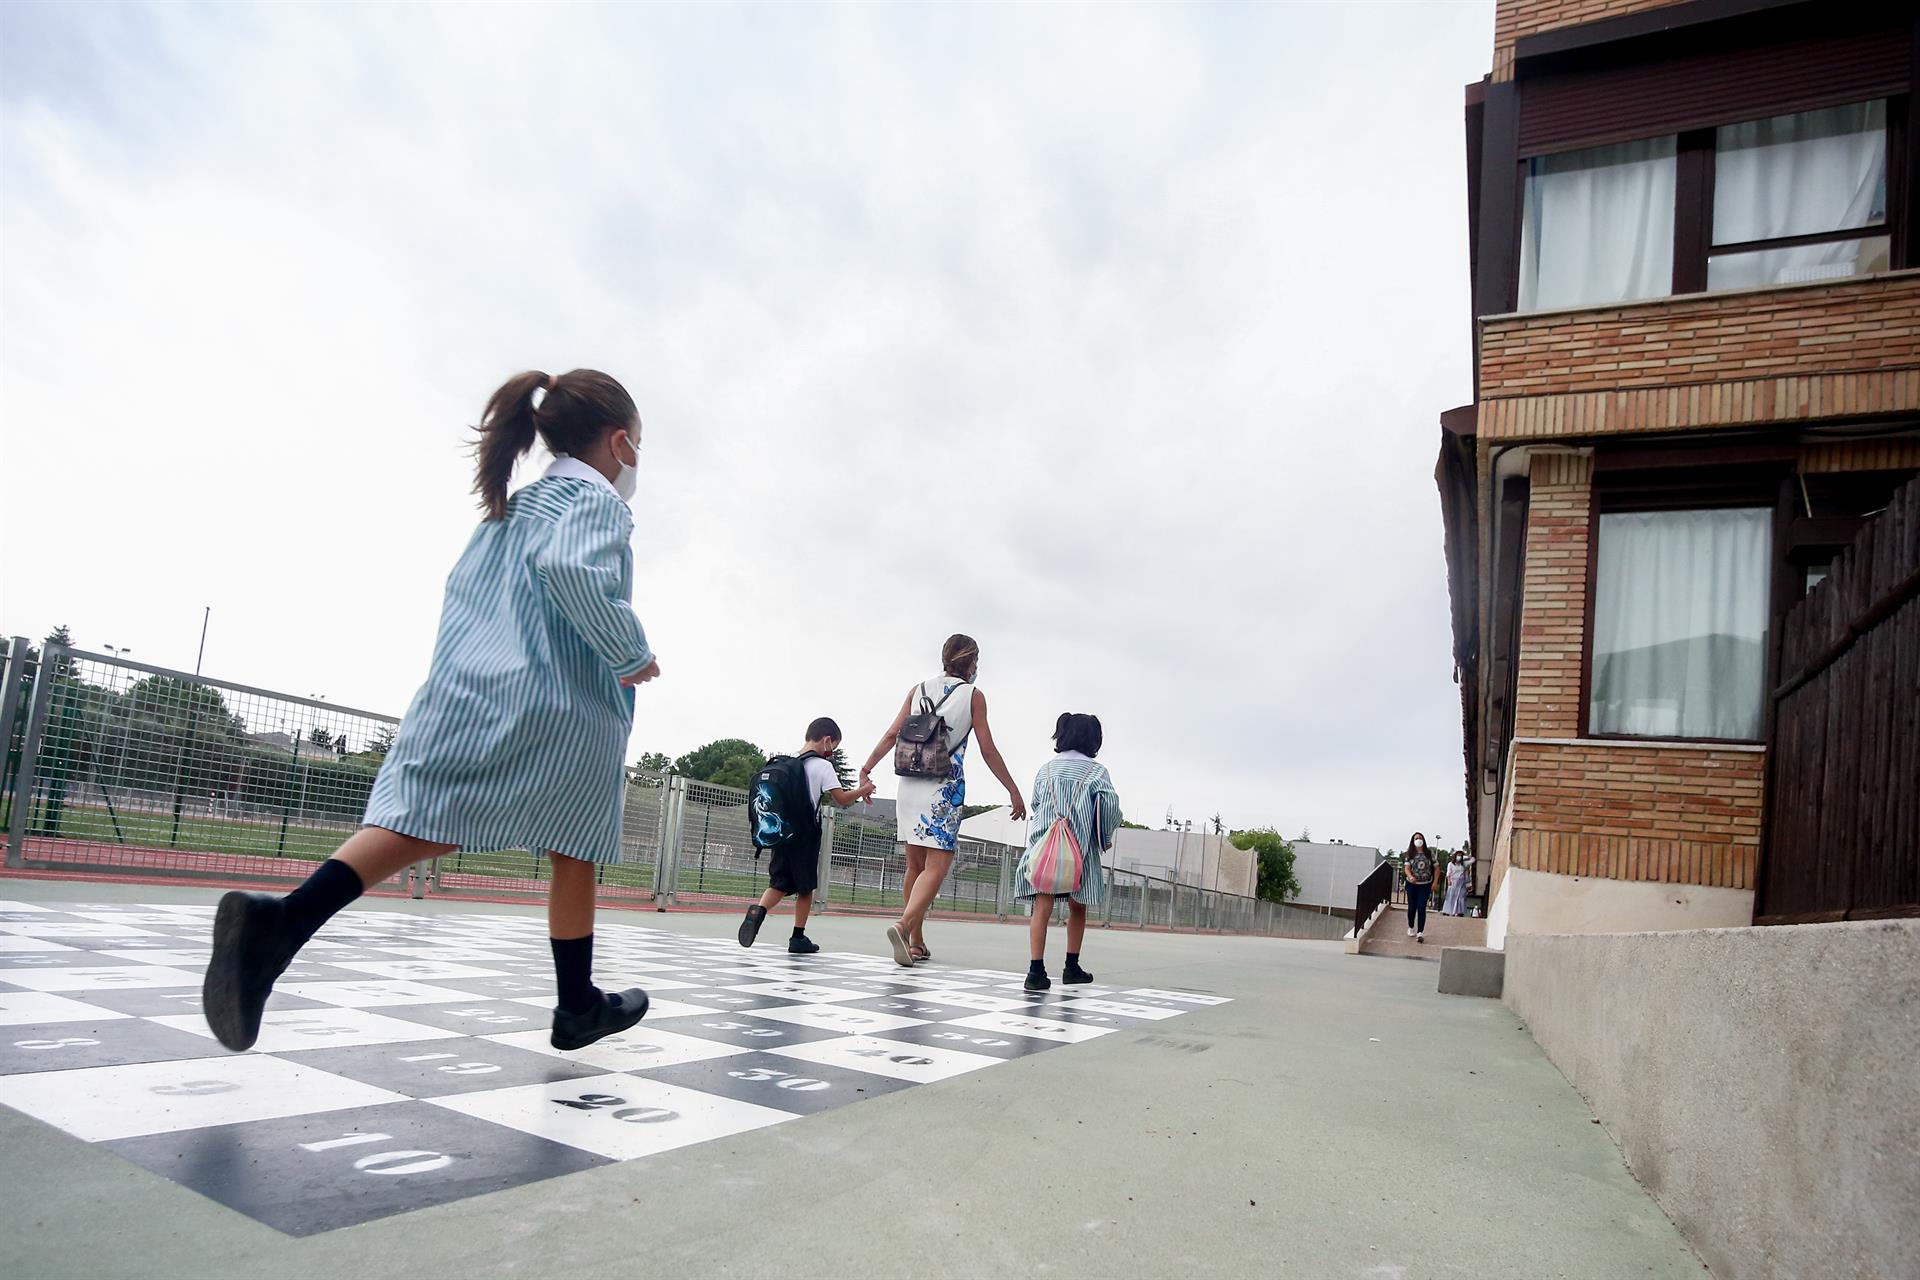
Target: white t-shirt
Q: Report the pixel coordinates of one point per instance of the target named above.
(820, 777)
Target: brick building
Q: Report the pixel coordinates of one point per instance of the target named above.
(1695, 231)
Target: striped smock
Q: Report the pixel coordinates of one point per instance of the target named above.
(1073, 784)
(517, 739)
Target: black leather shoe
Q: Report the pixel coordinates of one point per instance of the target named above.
(249, 951)
(1038, 982)
(616, 1012)
(1075, 975)
(750, 927)
(801, 945)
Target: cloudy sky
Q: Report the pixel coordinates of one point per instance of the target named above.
(1114, 336)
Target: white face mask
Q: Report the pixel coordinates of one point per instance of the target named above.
(627, 483)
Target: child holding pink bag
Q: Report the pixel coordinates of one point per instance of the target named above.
(1075, 813)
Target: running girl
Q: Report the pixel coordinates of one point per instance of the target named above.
(516, 739)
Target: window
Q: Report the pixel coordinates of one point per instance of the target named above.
(1800, 197)
(1598, 226)
(1785, 200)
(1680, 623)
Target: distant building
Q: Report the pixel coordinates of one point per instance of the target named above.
(1329, 873)
(1190, 857)
(1694, 231)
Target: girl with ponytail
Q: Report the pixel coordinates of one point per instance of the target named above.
(516, 739)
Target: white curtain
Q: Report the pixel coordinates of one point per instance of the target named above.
(1680, 623)
(1800, 175)
(1799, 263)
(1598, 226)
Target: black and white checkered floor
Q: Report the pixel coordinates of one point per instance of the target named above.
(404, 1059)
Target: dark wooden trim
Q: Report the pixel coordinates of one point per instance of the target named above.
(1652, 737)
(1812, 237)
(1903, 168)
(1460, 421)
(1475, 119)
(1586, 626)
(1692, 210)
(1503, 667)
(1817, 532)
(1632, 26)
(1735, 452)
(1497, 270)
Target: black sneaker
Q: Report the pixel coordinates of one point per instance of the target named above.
(249, 951)
(616, 1012)
(1038, 982)
(1072, 975)
(801, 945)
(750, 927)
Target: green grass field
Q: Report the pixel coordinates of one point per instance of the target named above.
(310, 842)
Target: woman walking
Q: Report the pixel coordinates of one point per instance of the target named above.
(1073, 787)
(1417, 867)
(516, 739)
(929, 740)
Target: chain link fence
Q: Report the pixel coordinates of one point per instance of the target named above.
(118, 766)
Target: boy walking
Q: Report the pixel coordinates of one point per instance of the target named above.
(785, 804)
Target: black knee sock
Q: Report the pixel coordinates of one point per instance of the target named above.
(573, 972)
(326, 892)
(1038, 967)
(1073, 959)
(799, 931)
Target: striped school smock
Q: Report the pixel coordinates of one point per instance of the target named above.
(1080, 789)
(517, 739)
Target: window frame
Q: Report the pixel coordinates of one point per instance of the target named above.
(1693, 243)
(1747, 488)
(1693, 191)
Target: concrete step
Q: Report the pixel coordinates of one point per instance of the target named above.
(1388, 937)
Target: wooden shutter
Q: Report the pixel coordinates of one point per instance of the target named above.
(1703, 79)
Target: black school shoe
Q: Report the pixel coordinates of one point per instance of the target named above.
(750, 927)
(801, 945)
(249, 951)
(616, 1012)
(1038, 982)
(1074, 974)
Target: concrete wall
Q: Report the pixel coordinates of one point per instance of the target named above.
(1329, 873)
(1760, 1082)
(1541, 902)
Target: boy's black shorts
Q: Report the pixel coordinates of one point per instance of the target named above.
(795, 867)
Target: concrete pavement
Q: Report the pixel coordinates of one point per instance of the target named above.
(1338, 1119)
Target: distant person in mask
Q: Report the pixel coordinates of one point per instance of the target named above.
(1418, 869)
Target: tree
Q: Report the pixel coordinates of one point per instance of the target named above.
(1133, 826)
(382, 742)
(841, 769)
(319, 737)
(1274, 852)
(726, 762)
(968, 810)
(60, 635)
(655, 762)
(1218, 827)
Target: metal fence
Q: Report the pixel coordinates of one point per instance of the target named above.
(115, 765)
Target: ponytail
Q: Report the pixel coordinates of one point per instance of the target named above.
(507, 430)
(578, 409)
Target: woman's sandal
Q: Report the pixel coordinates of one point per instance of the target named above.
(920, 954)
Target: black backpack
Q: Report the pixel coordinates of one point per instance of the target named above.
(780, 805)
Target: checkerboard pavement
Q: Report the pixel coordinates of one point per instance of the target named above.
(403, 1060)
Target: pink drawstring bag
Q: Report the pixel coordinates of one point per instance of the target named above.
(1054, 866)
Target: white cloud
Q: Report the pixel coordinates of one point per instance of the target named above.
(1113, 336)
